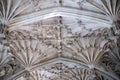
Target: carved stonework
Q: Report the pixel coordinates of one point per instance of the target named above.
(7, 64)
(59, 39)
(89, 50)
(31, 52)
(64, 71)
(112, 57)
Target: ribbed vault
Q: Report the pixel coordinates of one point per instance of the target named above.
(59, 39)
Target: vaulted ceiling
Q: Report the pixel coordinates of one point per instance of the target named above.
(59, 39)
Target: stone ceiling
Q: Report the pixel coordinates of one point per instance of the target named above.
(59, 39)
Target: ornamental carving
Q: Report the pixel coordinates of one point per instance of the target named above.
(59, 39)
